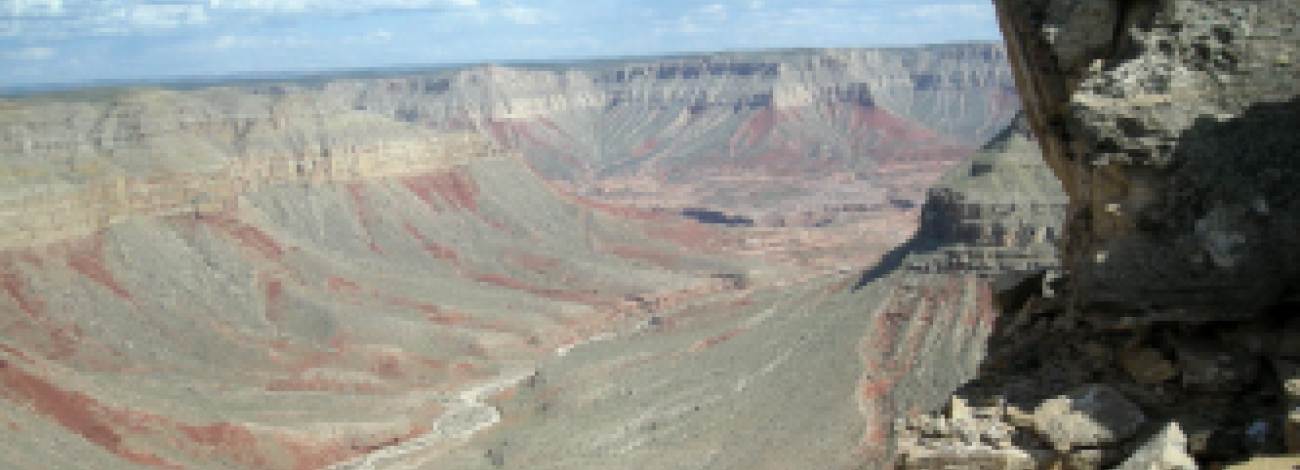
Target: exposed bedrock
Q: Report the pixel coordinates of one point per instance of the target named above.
(1171, 125)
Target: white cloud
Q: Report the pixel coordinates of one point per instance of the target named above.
(290, 6)
(63, 18)
(29, 53)
(526, 15)
(965, 10)
(245, 42)
(375, 37)
(33, 8)
(167, 15)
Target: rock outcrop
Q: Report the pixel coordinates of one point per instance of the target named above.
(999, 212)
(1171, 127)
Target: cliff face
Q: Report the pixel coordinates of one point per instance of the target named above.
(1171, 126)
(1171, 342)
(73, 169)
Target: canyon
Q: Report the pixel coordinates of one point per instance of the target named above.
(489, 267)
(823, 258)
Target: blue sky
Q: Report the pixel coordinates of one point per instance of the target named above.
(62, 41)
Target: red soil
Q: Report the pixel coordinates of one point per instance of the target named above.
(455, 187)
(247, 235)
(437, 250)
(87, 258)
(761, 125)
(274, 290)
(644, 148)
(12, 282)
(891, 127)
(75, 411)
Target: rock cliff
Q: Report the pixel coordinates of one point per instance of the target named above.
(1168, 123)
(1170, 341)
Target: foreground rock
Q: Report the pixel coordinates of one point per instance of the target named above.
(1171, 126)
(1166, 451)
(1086, 417)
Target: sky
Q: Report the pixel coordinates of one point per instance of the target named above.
(86, 41)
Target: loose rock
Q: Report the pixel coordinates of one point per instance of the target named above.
(1148, 366)
(1088, 416)
(1166, 451)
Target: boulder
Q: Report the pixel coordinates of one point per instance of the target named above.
(956, 457)
(1147, 366)
(1209, 367)
(1267, 463)
(1092, 459)
(1166, 451)
(1090, 415)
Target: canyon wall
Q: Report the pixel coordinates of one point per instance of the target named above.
(710, 130)
(75, 168)
(828, 152)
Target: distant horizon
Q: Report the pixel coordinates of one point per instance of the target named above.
(62, 44)
(203, 81)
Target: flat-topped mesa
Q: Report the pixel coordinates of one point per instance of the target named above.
(1001, 211)
(72, 169)
(1172, 127)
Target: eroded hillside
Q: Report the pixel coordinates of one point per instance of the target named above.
(828, 153)
(339, 276)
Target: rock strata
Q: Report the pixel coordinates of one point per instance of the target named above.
(999, 212)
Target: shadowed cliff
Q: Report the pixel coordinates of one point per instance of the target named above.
(1168, 339)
